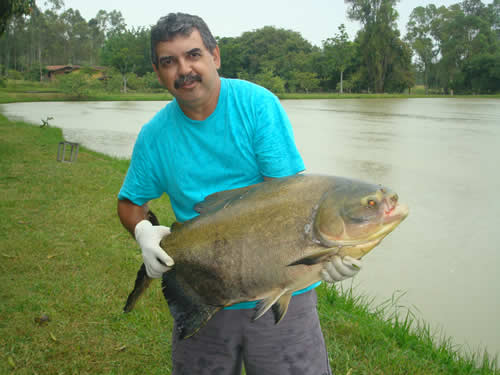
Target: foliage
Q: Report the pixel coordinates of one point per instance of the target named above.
(56, 37)
(151, 81)
(266, 54)
(303, 81)
(270, 81)
(379, 42)
(10, 8)
(462, 36)
(420, 38)
(74, 84)
(35, 73)
(126, 51)
(14, 74)
(340, 51)
(482, 73)
(449, 49)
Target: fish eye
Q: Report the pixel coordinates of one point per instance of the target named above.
(372, 203)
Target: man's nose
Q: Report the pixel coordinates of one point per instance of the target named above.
(184, 67)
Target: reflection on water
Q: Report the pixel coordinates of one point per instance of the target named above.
(440, 155)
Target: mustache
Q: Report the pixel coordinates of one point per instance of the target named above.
(182, 80)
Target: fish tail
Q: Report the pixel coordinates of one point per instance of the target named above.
(142, 282)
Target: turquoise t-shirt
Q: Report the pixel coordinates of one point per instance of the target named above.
(247, 137)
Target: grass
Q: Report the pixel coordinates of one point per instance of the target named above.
(65, 255)
(388, 339)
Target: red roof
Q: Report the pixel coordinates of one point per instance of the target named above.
(53, 68)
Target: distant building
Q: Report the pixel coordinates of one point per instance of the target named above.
(56, 70)
(98, 72)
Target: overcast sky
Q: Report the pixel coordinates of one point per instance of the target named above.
(316, 20)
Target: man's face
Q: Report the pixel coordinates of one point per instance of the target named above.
(187, 69)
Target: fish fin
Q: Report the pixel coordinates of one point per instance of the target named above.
(186, 306)
(221, 199)
(266, 303)
(281, 307)
(142, 282)
(318, 257)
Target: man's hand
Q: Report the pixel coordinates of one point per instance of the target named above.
(155, 258)
(340, 268)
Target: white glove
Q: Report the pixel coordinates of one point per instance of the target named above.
(340, 268)
(148, 236)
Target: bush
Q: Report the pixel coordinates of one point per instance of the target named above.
(74, 84)
(151, 81)
(134, 82)
(34, 74)
(271, 82)
(14, 74)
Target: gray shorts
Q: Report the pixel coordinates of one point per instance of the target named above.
(295, 346)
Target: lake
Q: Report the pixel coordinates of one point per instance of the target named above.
(441, 156)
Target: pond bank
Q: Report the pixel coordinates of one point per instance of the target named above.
(25, 91)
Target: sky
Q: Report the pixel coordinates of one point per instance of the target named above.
(316, 20)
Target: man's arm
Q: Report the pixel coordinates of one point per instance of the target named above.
(130, 214)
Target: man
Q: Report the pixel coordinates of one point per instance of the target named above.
(218, 134)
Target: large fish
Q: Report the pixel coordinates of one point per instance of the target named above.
(265, 241)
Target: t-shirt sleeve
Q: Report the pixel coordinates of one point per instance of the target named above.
(139, 186)
(274, 144)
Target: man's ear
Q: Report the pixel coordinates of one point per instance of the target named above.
(157, 73)
(216, 56)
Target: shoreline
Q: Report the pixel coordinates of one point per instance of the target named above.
(22, 91)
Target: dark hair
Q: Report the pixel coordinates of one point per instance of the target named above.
(175, 24)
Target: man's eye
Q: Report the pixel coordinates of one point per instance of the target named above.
(166, 62)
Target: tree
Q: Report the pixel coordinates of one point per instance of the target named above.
(482, 73)
(11, 8)
(378, 40)
(420, 38)
(271, 48)
(231, 57)
(464, 31)
(305, 81)
(124, 51)
(341, 51)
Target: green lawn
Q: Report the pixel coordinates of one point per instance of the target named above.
(64, 255)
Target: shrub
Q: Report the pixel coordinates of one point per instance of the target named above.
(74, 84)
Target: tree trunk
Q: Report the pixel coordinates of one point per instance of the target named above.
(426, 79)
(124, 84)
(40, 62)
(341, 81)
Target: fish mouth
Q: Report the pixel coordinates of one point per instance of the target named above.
(357, 248)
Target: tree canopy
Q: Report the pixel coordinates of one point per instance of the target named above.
(447, 49)
(11, 8)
